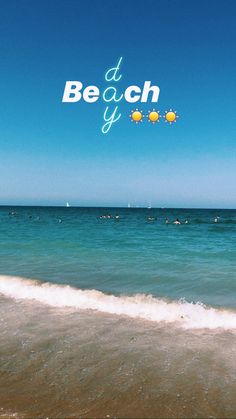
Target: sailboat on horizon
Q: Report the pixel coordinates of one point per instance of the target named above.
(67, 204)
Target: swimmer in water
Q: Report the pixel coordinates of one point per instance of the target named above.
(186, 221)
(151, 218)
(177, 222)
(166, 221)
(216, 219)
(13, 213)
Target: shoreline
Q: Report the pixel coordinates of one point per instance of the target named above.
(179, 313)
(69, 364)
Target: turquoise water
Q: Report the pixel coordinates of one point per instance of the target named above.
(125, 255)
(97, 313)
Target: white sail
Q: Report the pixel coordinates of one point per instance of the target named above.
(67, 204)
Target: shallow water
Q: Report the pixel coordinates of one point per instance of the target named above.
(128, 255)
(105, 326)
(63, 363)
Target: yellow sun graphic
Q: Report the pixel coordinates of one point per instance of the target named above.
(171, 116)
(136, 116)
(153, 116)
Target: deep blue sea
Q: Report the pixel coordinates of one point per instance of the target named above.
(123, 251)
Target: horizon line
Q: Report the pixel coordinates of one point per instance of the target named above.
(114, 206)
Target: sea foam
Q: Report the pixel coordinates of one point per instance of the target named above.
(181, 313)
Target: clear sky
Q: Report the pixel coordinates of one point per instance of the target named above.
(52, 152)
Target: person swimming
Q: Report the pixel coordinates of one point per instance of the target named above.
(166, 221)
(186, 221)
(107, 216)
(216, 219)
(177, 222)
(12, 213)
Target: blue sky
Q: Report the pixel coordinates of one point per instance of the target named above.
(52, 152)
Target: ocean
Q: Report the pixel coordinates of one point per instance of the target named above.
(112, 312)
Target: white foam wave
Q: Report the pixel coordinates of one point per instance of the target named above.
(184, 314)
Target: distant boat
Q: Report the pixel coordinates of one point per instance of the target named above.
(67, 204)
(129, 206)
(149, 206)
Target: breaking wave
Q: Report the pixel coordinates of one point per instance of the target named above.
(182, 313)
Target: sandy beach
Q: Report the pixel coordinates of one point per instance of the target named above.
(62, 363)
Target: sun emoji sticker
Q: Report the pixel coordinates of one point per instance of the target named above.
(153, 116)
(171, 116)
(136, 116)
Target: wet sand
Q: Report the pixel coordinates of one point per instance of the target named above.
(63, 363)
